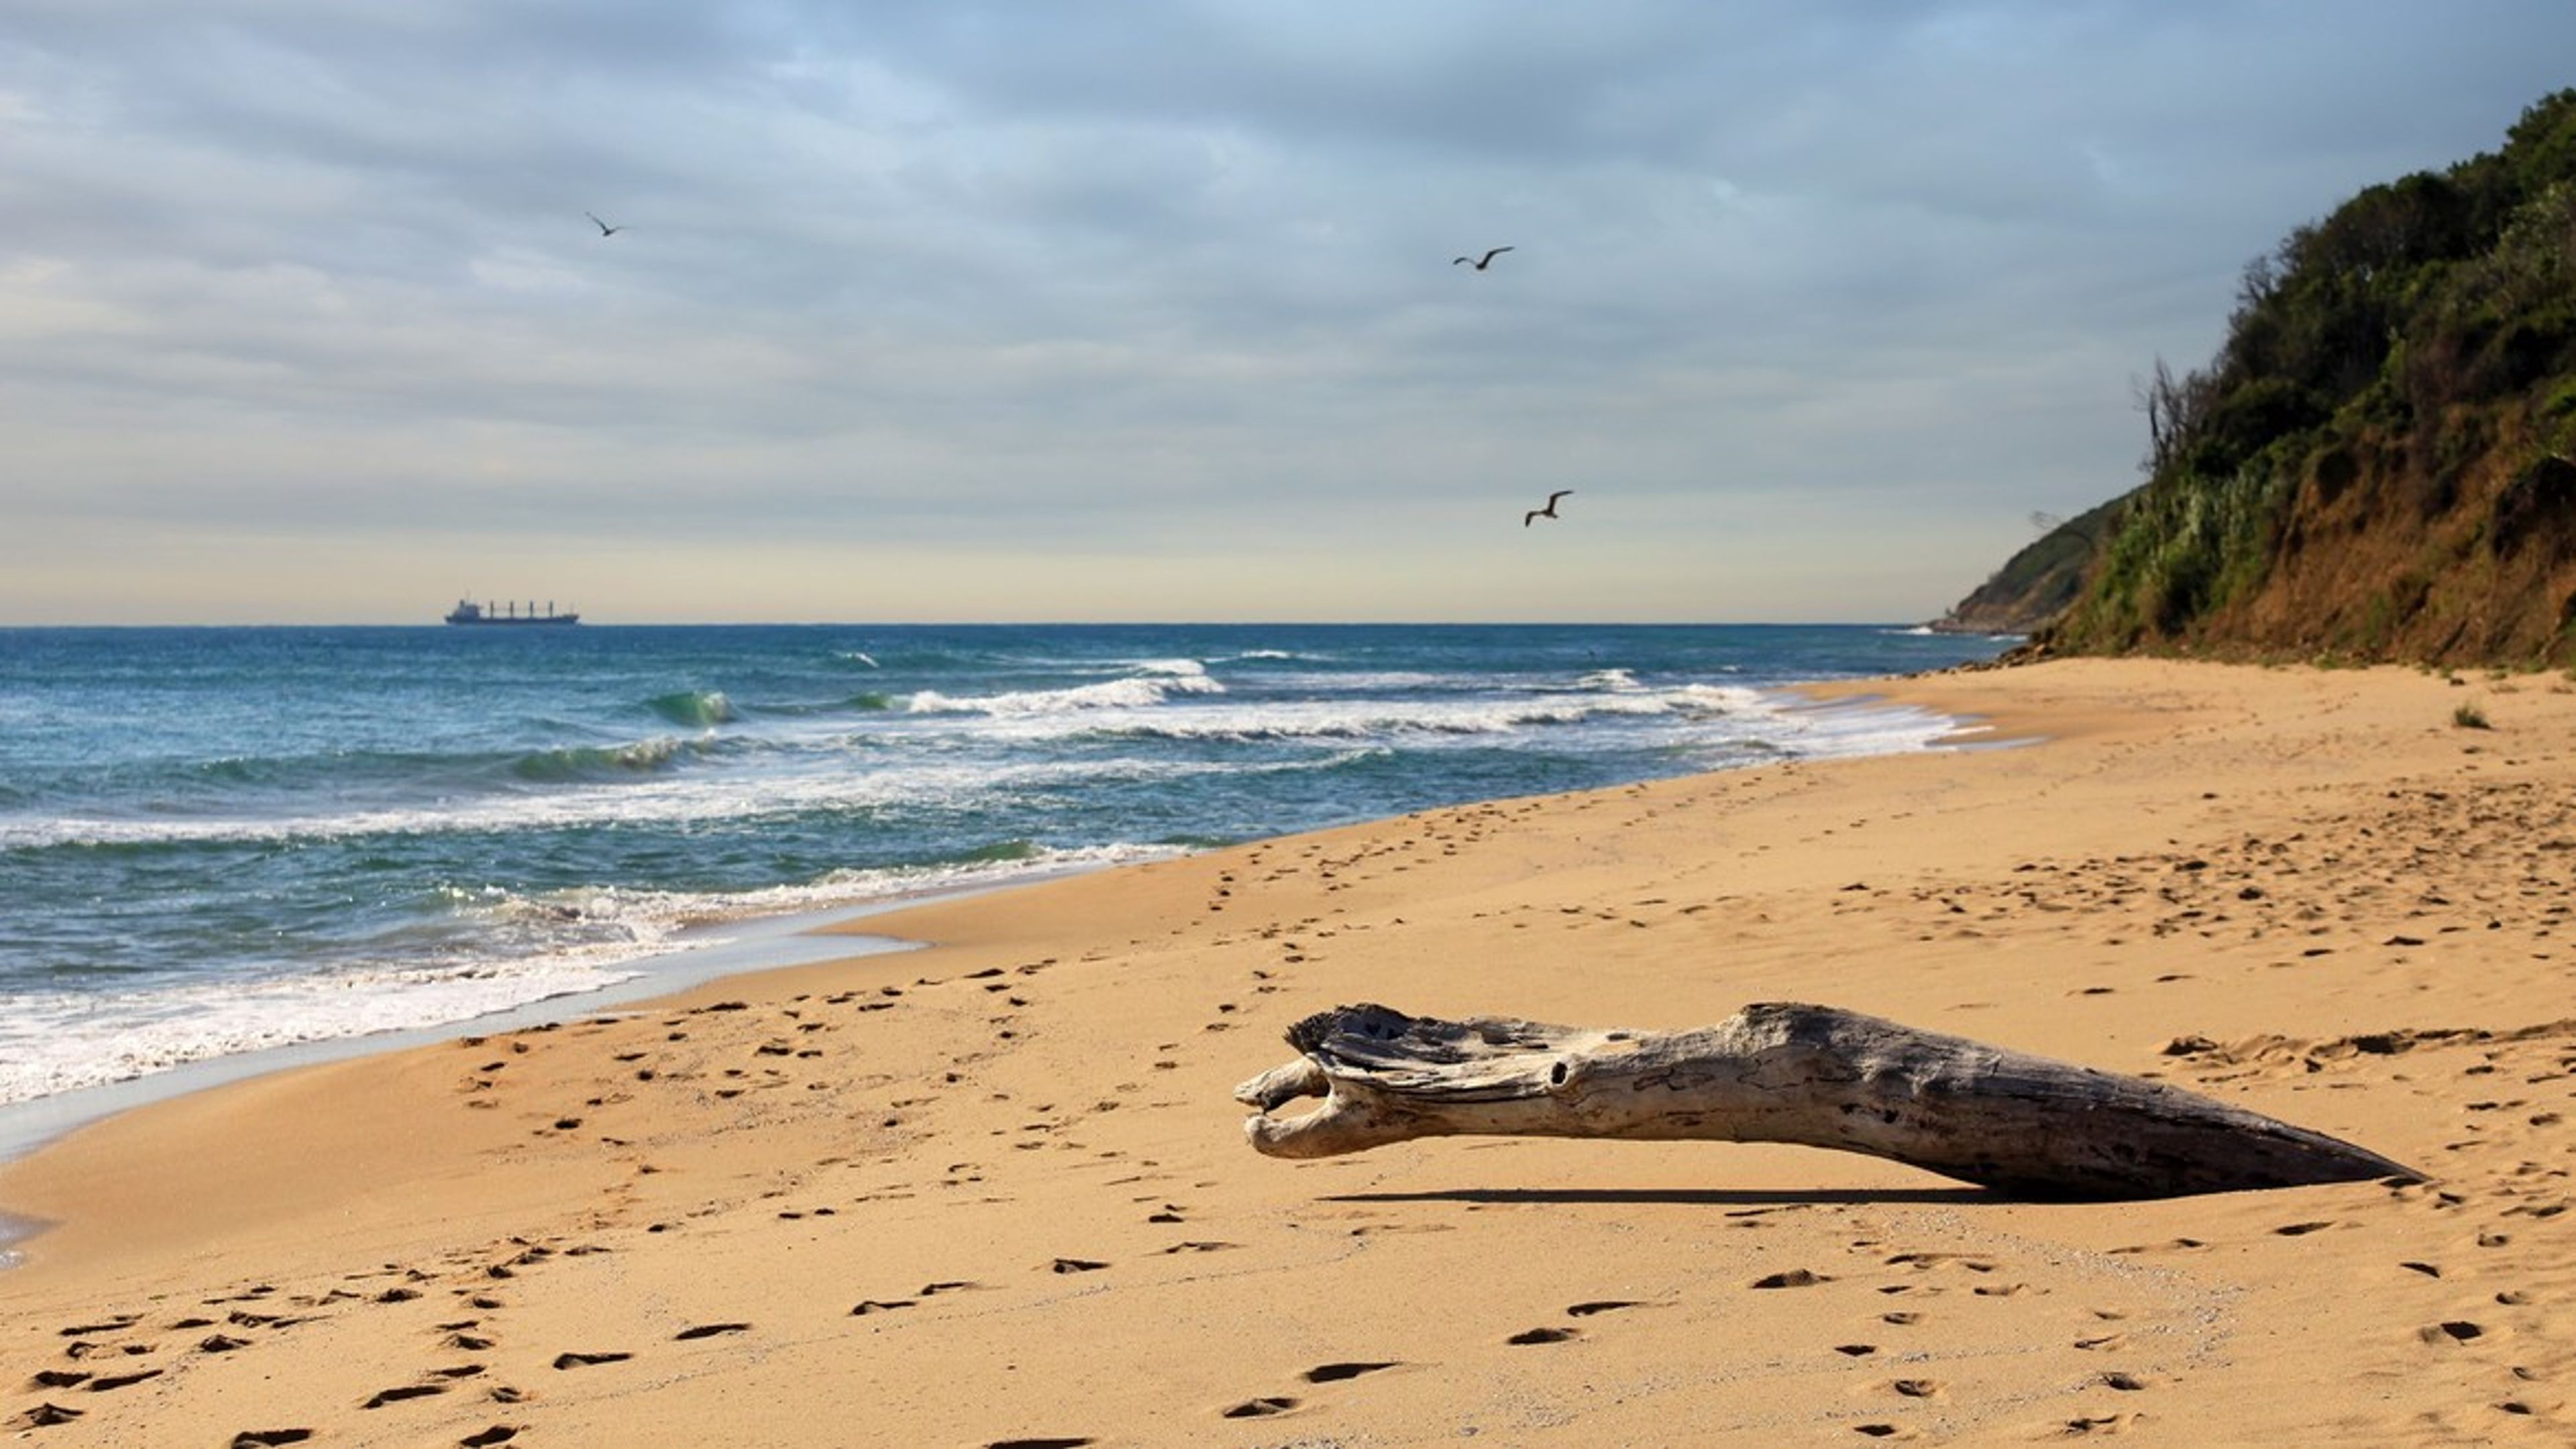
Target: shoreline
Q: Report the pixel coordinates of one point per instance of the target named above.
(994, 1189)
(747, 946)
(765, 945)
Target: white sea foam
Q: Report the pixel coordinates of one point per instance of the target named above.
(1154, 682)
(655, 915)
(59, 1042)
(53, 1042)
(826, 782)
(1418, 717)
(1837, 731)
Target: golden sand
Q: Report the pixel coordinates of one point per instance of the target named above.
(995, 1191)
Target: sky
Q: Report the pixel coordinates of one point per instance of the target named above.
(966, 310)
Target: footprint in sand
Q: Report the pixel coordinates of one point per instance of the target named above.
(1882, 1431)
(1543, 1335)
(1917, 1388)
(1260, 1408)
(1856, 1350)
(1793, 1278)
(1605, 1305)
(497, 1434)
(2454, 1331)
(118, 1381)
(585, 1360)
(269, 1438)
(709, 1330)
(2170, 1245)
(1039, 1443)
(2125, 1383)
(396, 1395)
(1334, 1373)
(1077, 1265)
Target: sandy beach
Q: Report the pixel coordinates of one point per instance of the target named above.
(996, 1191)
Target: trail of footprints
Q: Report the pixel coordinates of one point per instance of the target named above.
(119, 1350)
(1917, 1277)
(102, 1353)
(246, 1320)
(2488, 858)
(2507, 1180)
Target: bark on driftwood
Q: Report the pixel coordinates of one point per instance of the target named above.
(1782, 1072)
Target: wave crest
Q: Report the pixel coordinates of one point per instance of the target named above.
(695, 708)
(593, 762)
(1154, 682)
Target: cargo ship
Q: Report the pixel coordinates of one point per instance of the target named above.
(469, 612)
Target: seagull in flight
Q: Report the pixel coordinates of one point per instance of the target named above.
(604, 228)
(1548, 512)
(1480, 263)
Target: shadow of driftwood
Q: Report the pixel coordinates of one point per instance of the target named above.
(1690, 1196)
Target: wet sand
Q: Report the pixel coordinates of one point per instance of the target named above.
(996, 1191)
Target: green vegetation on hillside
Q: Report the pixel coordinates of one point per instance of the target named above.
(2035, 585)
(2377, 463)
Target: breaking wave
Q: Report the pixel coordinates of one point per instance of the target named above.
(695, 708)
(1151, 684)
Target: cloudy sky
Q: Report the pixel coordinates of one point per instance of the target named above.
(1139, 309)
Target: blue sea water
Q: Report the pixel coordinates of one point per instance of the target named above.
(214, 841)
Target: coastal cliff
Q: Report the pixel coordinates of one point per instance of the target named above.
(2379, 464)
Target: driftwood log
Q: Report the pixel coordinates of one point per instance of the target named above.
(1782, 1072)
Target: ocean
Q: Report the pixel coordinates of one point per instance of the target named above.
(220, 841)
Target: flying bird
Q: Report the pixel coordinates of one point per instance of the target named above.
(1548, 512)
(1480, 263)
(604, 228)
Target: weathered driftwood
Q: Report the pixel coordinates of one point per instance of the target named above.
(1782, 1072)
